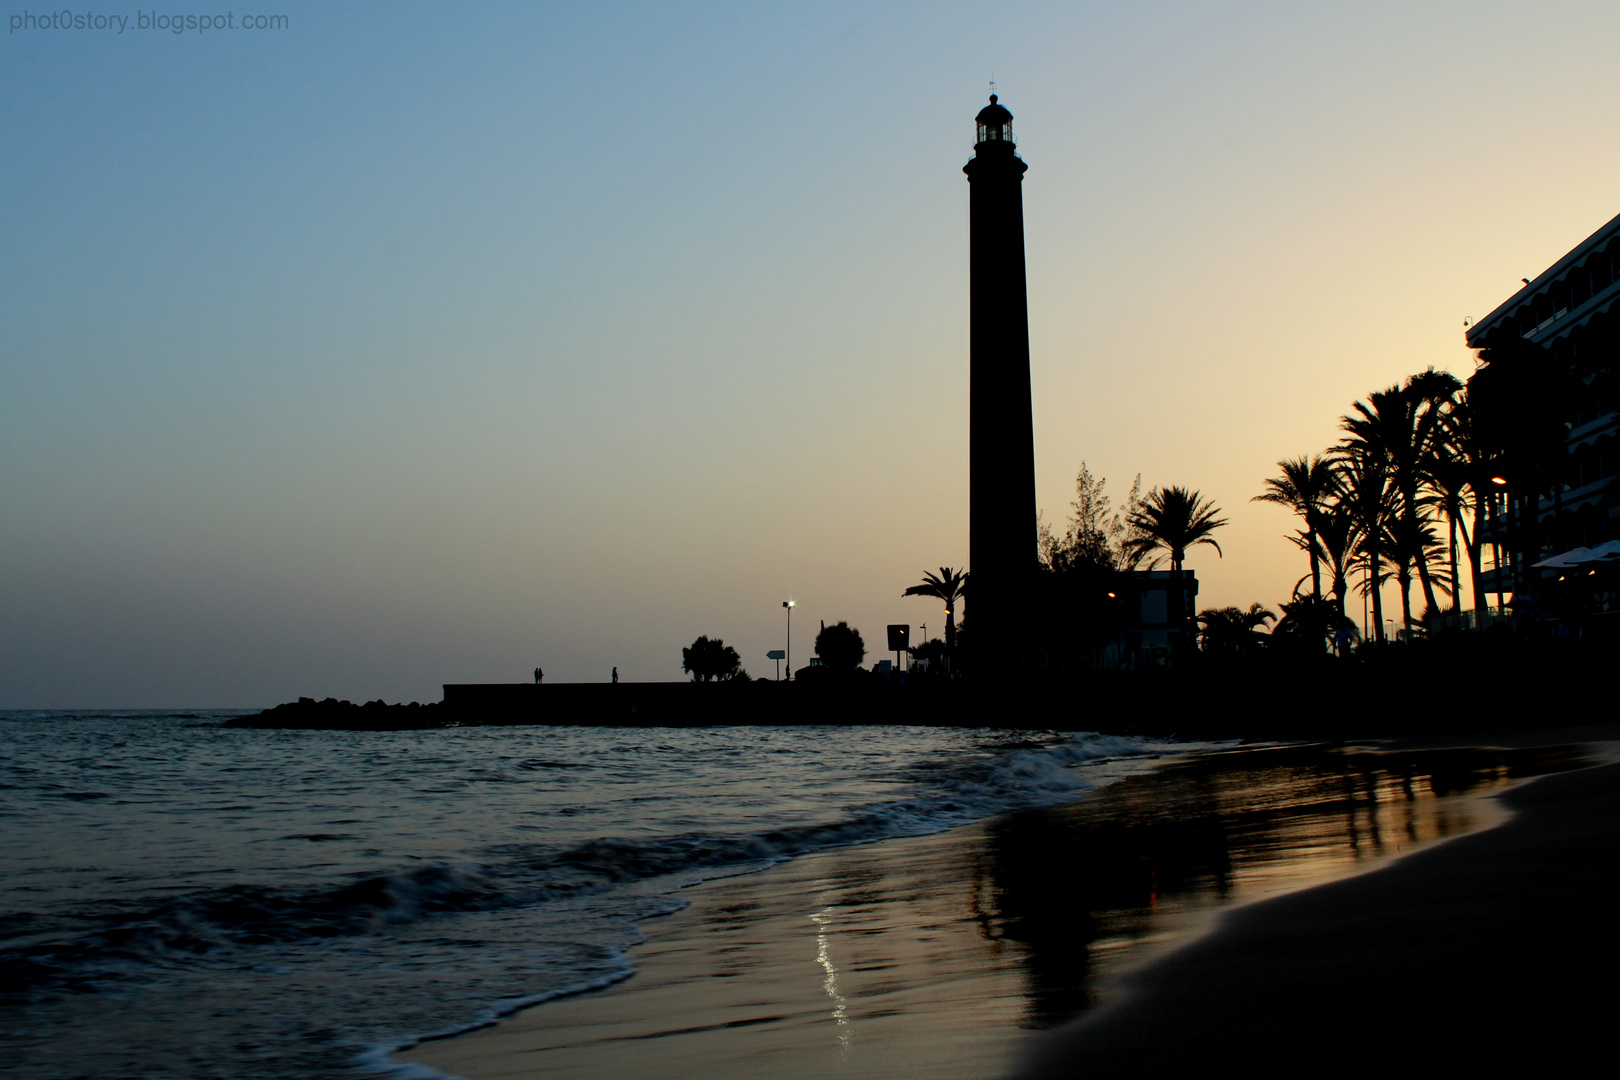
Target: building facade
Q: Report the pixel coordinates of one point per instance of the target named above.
(1546, 397)
(1154, 626)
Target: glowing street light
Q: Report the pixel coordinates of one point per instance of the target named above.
(1499, 481)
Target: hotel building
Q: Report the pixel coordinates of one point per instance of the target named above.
(1553, 530)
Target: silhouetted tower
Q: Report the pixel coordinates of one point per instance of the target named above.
(1001, 432)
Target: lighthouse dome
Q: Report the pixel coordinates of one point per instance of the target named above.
(995, 123)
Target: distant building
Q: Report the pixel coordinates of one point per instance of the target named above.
(1130, 620)
(1154, 607)
(1553, 534)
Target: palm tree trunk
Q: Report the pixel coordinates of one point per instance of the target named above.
(1181, 595)
(950, 630)
(1456, 578)
(1427, 581)
(1404, 576)
(1378, 606)
(1415, 540)
(1475, 543)
(1316, 562)
(1376, 570)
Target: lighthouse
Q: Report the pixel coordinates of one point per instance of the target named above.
(1001, 431)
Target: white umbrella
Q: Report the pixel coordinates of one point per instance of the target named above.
(1609, 552)
(1568, 558)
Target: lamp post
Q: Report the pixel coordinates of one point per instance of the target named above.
(789, 604)
(1500, 482)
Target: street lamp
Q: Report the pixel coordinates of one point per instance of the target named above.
(789, 604)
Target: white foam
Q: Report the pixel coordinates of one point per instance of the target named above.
(381, 1055)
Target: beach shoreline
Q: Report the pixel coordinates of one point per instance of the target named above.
(953, 954)
(1478, 954)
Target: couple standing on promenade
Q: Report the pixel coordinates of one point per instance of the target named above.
(539, 674)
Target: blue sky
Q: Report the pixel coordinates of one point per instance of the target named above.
(420, 344)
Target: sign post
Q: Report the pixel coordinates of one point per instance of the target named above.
(790, 605)
(778, 655)
(899, 641)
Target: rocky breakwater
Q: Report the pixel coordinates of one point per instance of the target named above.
(332, 714)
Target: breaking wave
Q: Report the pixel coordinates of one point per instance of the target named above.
(186, 899)
(142, 940)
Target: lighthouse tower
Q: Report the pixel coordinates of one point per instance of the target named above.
(1001, 511)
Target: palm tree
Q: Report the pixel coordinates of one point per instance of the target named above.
(1462, 477)
(1312, 620)
(1172, 520)
(1434, 393)
(949, 586)
(1336, 538)
(1231, 629)
(1448, 477)
(1402, 424)
(1413, 544)
(1304, 487)
(1368, 499)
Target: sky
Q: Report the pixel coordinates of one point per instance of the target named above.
(413, 344)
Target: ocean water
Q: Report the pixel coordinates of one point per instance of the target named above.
(181, 899)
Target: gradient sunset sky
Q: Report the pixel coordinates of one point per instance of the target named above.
(415, 344)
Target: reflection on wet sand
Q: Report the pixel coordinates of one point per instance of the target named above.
(1088, 888)
(933, 956)
(840, 1012)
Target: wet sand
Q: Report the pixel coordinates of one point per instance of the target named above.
(953, 955)
(1490, 955)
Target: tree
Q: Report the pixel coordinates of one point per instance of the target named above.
(1233, 631)
(840, 646)
(1094, 537)
(1414, 545)
(1433, 394)
(1463, 478)
(1401, 425)
(1310, 620)
(708, 660)
(1335, 540)
(1367, 497)
(1306, 485)
(948, 586)
(930, 656)
(1172, 520)
(1451, 476)
(1075, 608)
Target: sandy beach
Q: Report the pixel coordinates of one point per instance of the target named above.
(972, 953)
(1492, 953)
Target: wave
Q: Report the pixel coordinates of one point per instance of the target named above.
(380, 1056)
(181, 930)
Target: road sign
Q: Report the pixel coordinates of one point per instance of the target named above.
(776, 654)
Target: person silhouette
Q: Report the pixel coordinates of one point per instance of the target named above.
(538, 675)
(615, 676)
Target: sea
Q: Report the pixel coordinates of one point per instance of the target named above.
(183, 899)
